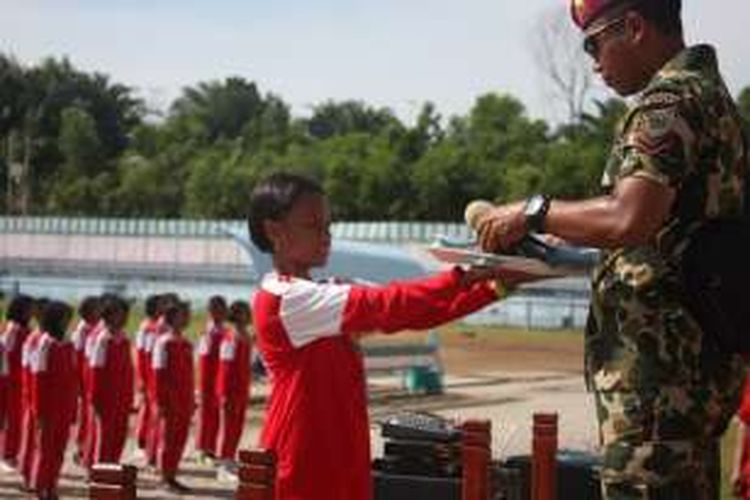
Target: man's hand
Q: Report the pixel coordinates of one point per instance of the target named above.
(502, 227)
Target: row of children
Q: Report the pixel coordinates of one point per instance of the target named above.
(47, 383)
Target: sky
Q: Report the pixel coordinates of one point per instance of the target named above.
(392, 53)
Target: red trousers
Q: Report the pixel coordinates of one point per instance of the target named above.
(154, 434)
(85, 438)
(111, 434)
(232, 423)
(174, 433)
(28, 450)
(13, 418)
(208, 424)
(144, 422)
(53, 437)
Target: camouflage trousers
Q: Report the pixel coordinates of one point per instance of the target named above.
(636, 466)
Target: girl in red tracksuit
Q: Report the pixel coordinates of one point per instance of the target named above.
(175, 386)
(111, 366)
(54, 397)
(316, 419)
(233, 381)
(208, 363)
(27, 452)
(82, 337)
(144, 343)
(14, 335)
(3, 385)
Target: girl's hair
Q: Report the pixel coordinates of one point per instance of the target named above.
(272, 199)
(19, 308)
(238, 309)
(173, 310)
(55, 318)
(151, 305)
(88, 306)
(112, 304)
(217, 301)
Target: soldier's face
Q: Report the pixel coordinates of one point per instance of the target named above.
(615, 49)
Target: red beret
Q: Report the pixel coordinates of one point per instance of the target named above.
(585, 12)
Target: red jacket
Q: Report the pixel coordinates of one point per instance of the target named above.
(172, 363)
(82, 339)
(28, 355)
(316, 418)
(111, 365)
(233, 377)
(144, 344)
(13, 338)
(3, 384)
(54, 386)
(208, 358)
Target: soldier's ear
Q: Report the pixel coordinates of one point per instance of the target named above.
(635, 27)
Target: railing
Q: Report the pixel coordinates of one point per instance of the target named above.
(391, 232)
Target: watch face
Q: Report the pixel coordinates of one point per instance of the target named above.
(535, 204)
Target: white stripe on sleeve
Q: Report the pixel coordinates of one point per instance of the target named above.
(159, 353)
(99, 352)
(310, 311)
(227, 350)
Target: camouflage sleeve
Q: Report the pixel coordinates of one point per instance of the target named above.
(659, 141)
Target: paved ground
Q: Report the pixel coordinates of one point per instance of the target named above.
(503, 380)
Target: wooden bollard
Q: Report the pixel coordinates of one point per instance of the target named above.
(113, 482)
(544, 457)
(257, 475)
(476, 454)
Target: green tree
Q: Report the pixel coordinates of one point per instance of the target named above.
(340, 118)
(79, 144)
(743, 102)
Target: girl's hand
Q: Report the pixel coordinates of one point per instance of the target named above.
(509, 277)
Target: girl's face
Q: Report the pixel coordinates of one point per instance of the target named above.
(116, 321)
(241, 318)
(218, 313)
(182, 319)
(302, 239)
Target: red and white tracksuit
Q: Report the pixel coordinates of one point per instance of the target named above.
(28, 450)
(83, 342)
(111, 365)
(233, 390)
(3, 384)
(144, 344)
(175, 398)
(55, 395)
(153, 424)
(208, 407)
(13, 337)
(316, 418)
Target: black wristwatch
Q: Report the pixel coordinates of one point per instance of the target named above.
(535, 211)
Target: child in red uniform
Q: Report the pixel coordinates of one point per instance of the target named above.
(208, 363)
(16, 330)
(82, 336)
(233, 382)
(54, 397)
(111, 381)
(316, 419)
(175, 386)
(144, 343)
(27, 452)
(3, 385)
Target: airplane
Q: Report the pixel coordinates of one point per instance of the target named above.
(354, 260)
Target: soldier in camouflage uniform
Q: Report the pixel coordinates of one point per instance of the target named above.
(664, 392)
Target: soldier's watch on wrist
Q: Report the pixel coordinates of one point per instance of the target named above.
(535, 212)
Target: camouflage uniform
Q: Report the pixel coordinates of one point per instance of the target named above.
(664, 394)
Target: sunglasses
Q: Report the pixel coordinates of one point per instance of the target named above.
(592, 42)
